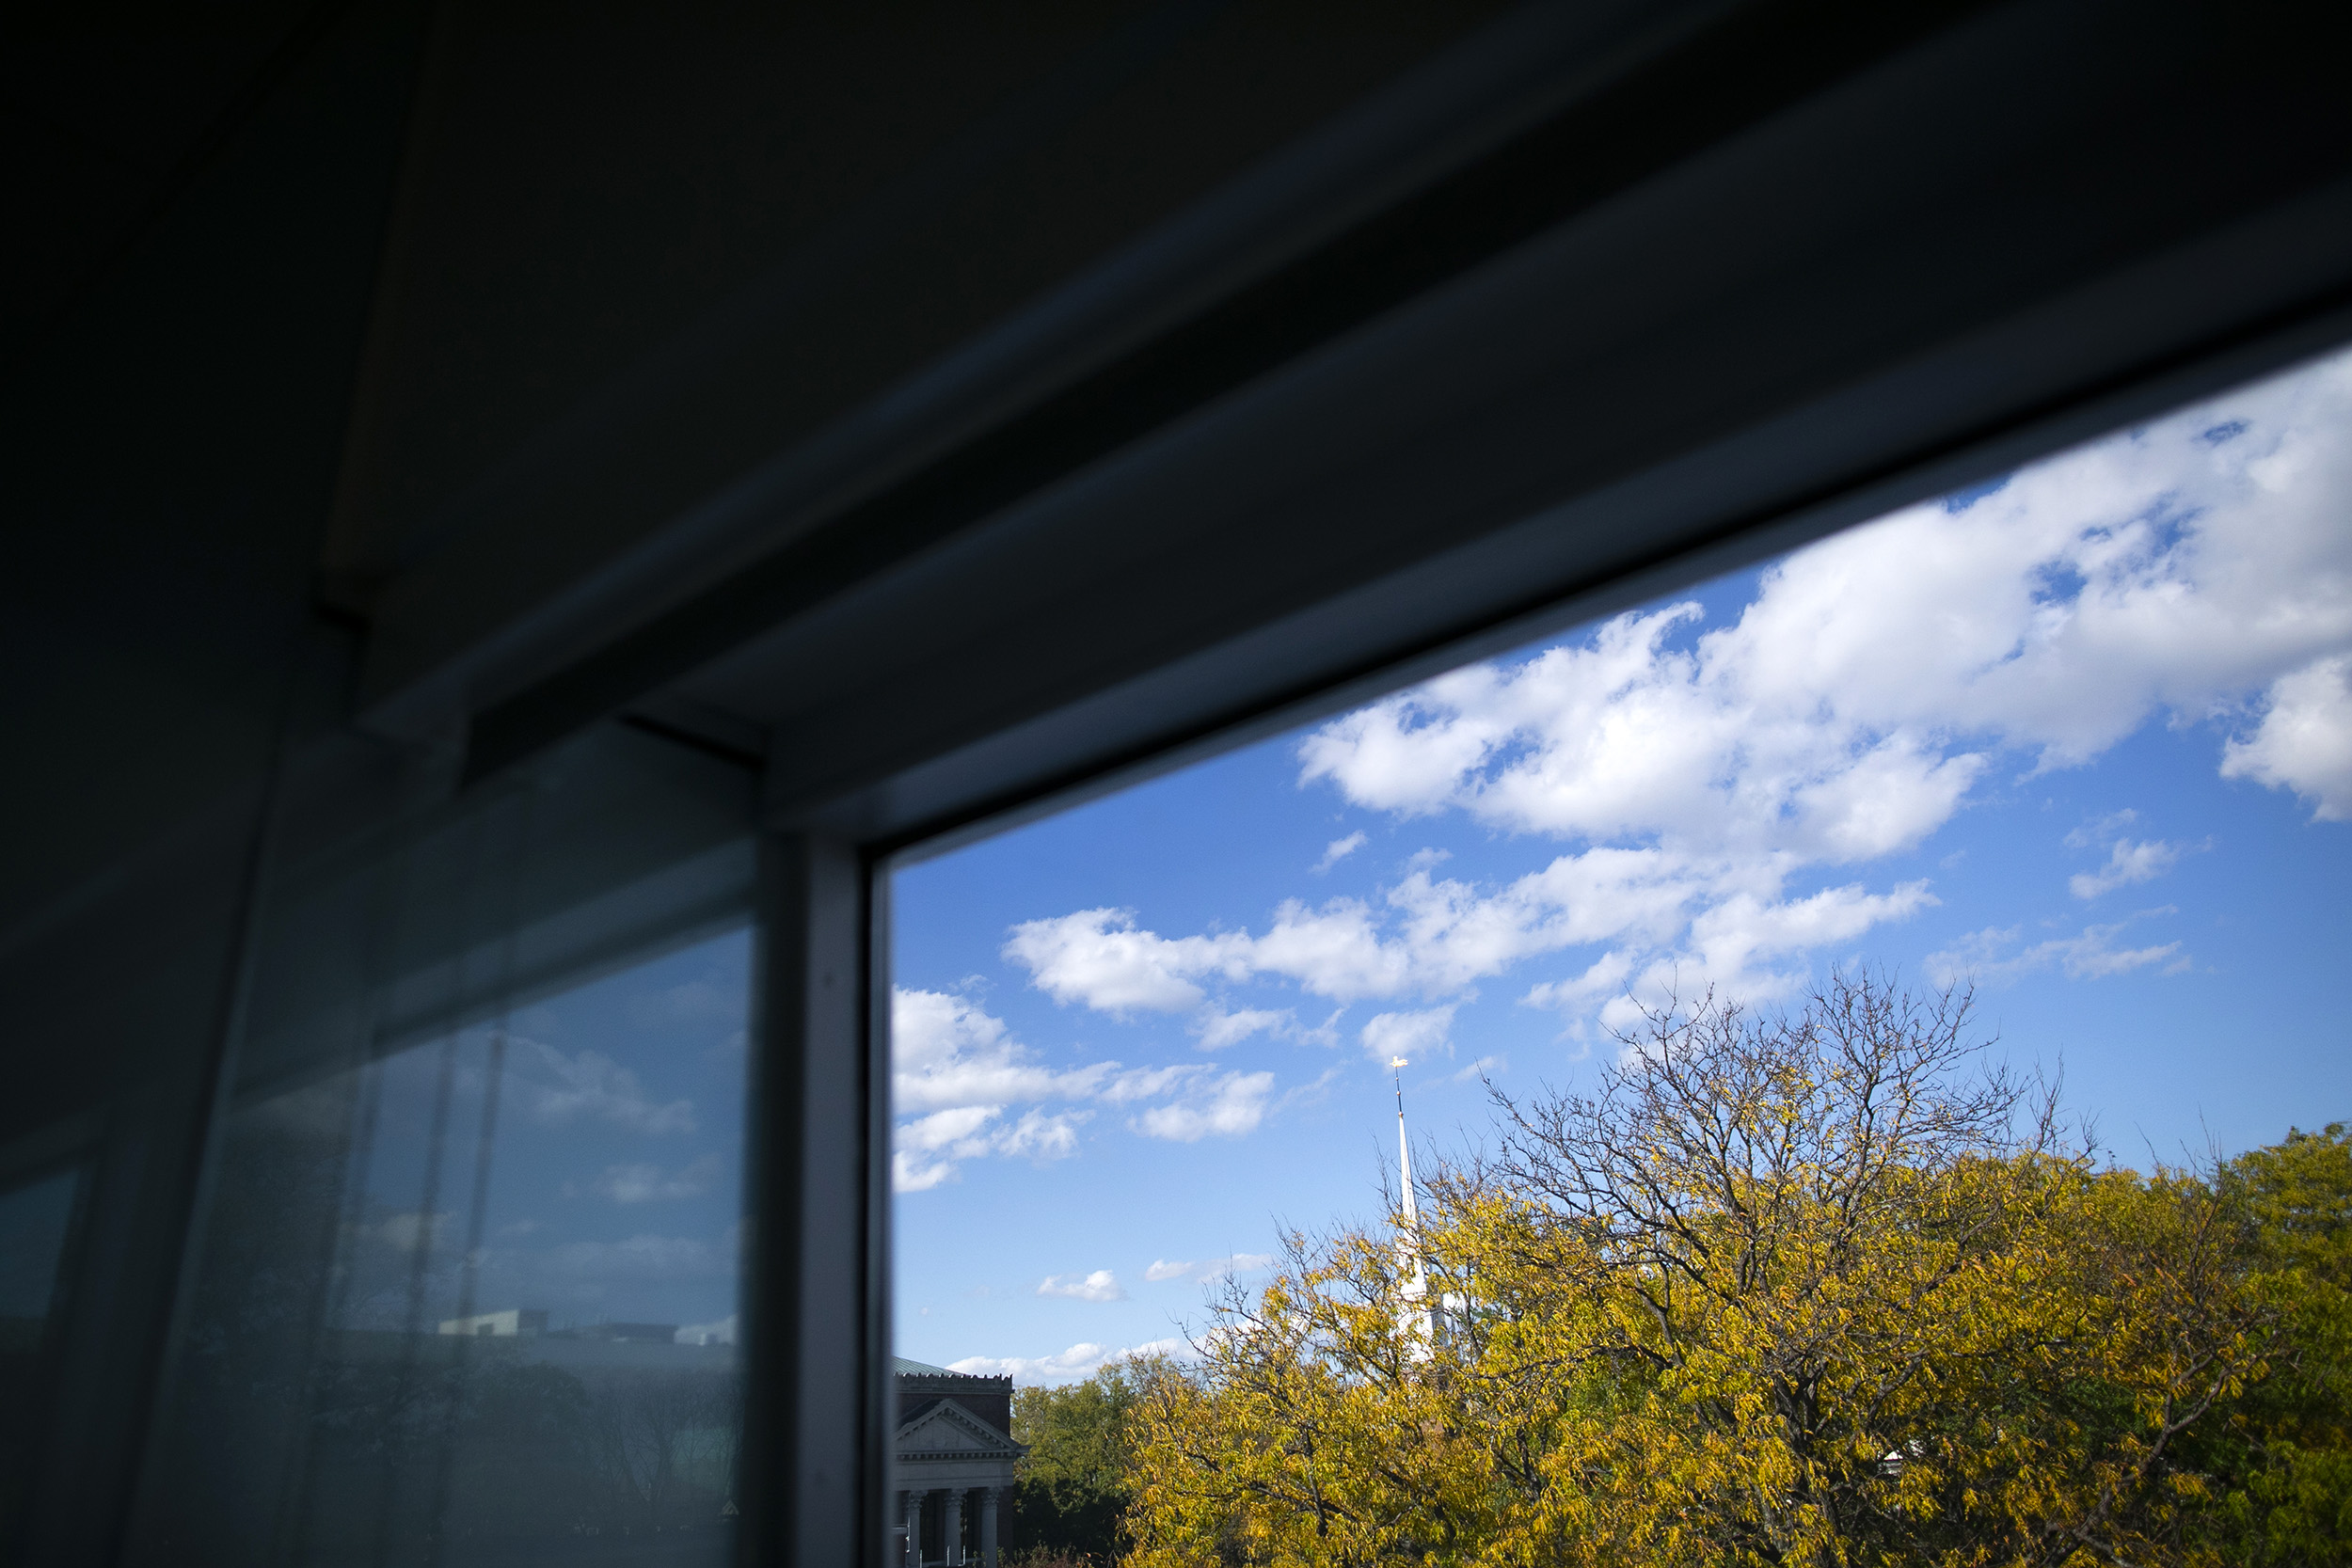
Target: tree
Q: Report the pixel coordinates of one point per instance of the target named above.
(1072, 1489)
(2283, 1465)
(1822, 1287)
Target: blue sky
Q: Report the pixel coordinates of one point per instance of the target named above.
(2084, 736)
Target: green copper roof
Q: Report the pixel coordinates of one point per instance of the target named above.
(901, 1366)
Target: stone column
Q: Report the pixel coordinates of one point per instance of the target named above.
(988, 1526)
(951, 1526)
(914, 1556)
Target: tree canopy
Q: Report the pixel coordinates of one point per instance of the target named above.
(1820, 1287)
(1072, 1489)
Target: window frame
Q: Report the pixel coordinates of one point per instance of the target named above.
(2155, 310)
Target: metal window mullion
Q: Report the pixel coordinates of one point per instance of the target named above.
(813, 1485)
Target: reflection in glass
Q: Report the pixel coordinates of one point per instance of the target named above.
(35, 1219)
(474, 1301)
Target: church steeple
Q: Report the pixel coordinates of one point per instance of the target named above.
(1404, 1147)
(1413, 1316)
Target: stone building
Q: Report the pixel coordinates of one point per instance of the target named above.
(955, 1455)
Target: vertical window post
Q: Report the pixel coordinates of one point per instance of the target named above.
(813, 1482)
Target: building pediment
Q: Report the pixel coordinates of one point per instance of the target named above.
(942, 1430)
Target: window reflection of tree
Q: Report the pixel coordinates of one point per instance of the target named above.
(665, 1446)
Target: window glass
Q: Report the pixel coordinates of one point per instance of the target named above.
(2034, 801)
(35, 1219)
(475, 1300)
(464, 1264)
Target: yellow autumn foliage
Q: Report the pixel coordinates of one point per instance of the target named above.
(1818, 1289)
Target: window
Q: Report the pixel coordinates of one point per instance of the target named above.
(468, 1281)
(2064, 758)
(36, 1221)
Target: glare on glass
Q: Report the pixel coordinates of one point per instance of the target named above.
(475, 1301)
(35, 1219)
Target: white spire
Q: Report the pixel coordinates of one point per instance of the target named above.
(1404, 1145)
(1412, 1314)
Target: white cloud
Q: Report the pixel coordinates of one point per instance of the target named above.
(1436, 939)
(961, 1066)
(1731, 934)
(1851, 708)
(720, 1332)
(557, 1090)
(2106, 829)
(1150, 1082)
(1099, 958)
(1208, 1269)
(1040, 1136)
(1338, 850)
(1409, 1035)
(1719, 791)
(1102, 1285)
(928, 1149)
(643, 1183)
(1078, 1362)
(1574, 997)
(959, 1063)
(1309, 1093)
(2304, 741)
(1218, 1029)
(946, 1052)
(1229, 1107)
(1995, 954)
(2127, 862)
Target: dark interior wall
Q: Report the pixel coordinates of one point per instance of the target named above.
(392, 317)
(176, 395)
(107, 115)
(643, 250)
(582, 191)
(170, 444)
